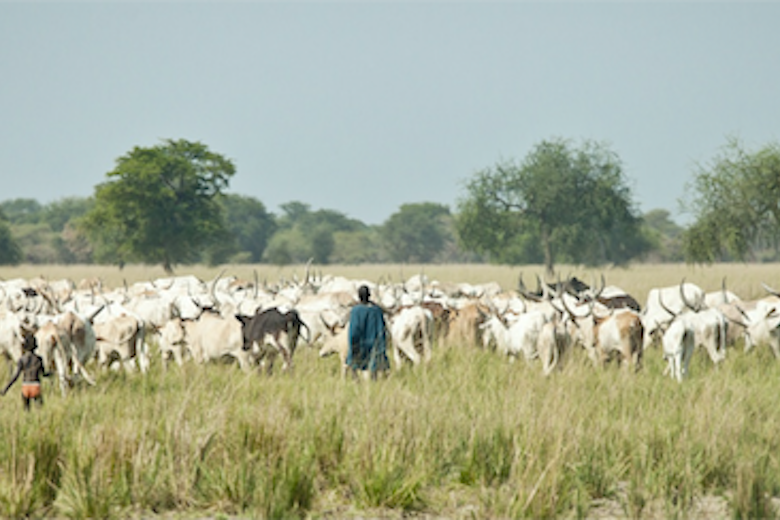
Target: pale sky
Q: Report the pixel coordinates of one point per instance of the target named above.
(363, 106)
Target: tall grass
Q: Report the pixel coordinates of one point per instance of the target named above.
(469, 435)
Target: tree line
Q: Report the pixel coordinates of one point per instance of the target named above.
(564, 202)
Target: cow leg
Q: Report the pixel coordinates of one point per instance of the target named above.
(407, 347)
(711, 350)
(270, 358)
(286, 355)
(83, 371)
(676, 366)
(774, 343)
(427, 348)
(686, 360)
(61, 369)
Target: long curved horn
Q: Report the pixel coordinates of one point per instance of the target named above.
(92, 317)
(306, 276)
(664, 307)
(545, 290)
(523, 290)
(214, 288)
(735, 322)
(558, 309)
(770, 290)
(520, 284)
(572, 314)
(48, 298)
(694, 308)
(742, 312)
(331, 329)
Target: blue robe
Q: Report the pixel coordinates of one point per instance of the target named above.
(367, 339)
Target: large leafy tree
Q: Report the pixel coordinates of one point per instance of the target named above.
(417, 232)
(561, 203)
(735, 201)
(10, 252)
(159, 205)
(250, 225)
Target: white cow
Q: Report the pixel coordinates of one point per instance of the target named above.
(655, 317)
(411, 330)
(552, 343)
(173, 342)
(678, 346)
(337, 343)
(213, 338)
(519, 337)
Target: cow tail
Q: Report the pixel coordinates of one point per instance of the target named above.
(308, 331)
(556, 353)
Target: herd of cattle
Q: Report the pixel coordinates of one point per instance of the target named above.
(188, 320)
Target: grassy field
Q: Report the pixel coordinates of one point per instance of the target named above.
(468, 436)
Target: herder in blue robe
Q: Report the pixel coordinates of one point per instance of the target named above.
(367, 336)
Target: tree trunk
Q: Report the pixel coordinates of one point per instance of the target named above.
(167, 267)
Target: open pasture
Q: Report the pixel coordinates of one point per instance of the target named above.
(469, 435)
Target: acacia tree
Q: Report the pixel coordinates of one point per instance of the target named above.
(159, 205)
(734, 201)
(560, 203)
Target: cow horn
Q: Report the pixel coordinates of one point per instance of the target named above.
(92, 317)
(308, 265)
(545, 290)
(557, 309)
(735, 322)
(664, 307)
(723, 290)
(214, 288)
(742, 312)
(520, 284)
(770, 290)
(694, 308)
(257, 288)
(574, 316)
(331, 328)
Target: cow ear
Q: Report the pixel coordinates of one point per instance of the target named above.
(242, 319)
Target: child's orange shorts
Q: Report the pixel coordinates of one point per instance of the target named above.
(31, 390)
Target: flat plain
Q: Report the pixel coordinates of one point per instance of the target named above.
(470, 435)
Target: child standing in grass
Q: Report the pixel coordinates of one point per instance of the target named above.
(31, 365)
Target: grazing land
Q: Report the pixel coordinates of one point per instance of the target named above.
(469, 435)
